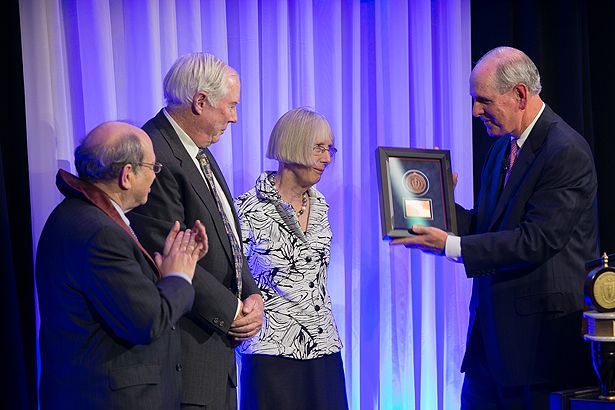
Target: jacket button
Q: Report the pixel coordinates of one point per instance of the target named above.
(317, 308)
(311, 284)
(308, 259)
(221, 323)
(320, 330)
(179, 367)
(173, 327)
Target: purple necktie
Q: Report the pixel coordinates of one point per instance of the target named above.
(512, 157)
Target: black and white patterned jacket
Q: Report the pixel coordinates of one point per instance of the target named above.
(290, 268)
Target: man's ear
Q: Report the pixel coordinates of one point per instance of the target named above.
(521, 92)
(199, 102)
(125, 178)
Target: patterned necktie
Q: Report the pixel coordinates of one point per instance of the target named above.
(237, 253)
(512, 157)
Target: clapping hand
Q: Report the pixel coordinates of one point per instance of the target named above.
(182, 250)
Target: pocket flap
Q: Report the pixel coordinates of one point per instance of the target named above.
(122, 377)
(542, 303)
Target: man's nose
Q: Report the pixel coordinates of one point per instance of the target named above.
(233, 117)
(477, 109)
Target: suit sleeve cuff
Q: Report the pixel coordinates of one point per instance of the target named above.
(238, 309)
(180, 275)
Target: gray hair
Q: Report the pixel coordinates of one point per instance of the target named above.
(293, 136)
(196, 72)
(103, 162)
(514, 67)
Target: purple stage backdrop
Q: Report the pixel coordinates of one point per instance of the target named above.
(385, 73)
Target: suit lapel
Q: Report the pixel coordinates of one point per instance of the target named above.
(70, 185)
(524, 161)
(195, 177)
(491, 184)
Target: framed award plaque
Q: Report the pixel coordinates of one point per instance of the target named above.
(416, 188)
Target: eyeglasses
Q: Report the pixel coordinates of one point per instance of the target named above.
(320, 149)
(156, 166)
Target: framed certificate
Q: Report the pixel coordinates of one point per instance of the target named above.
(416, 188)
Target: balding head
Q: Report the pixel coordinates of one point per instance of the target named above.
(119, 159)
(107, 148)
(505, 67)
(109, 133)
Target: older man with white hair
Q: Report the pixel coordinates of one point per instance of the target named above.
(202, 93)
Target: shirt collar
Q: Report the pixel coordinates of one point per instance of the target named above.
(120, 211)
(186, 141)
(524, 134)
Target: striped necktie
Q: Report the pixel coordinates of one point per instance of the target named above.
(235, 246)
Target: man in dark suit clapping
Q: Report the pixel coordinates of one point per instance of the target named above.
(108, 309)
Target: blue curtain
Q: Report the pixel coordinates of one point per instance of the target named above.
(385, 73)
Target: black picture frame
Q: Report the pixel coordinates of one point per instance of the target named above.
(415, 187)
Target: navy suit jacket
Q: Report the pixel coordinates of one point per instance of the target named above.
(525, 246)
(180, 193)
(107, 334)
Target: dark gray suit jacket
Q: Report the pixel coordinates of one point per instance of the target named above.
(107, 334)
(180, 193)
(525, 246)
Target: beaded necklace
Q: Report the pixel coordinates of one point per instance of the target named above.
(304, 198)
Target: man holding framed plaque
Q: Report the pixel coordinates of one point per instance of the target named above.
(524, 244)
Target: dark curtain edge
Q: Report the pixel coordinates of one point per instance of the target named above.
(16, 236)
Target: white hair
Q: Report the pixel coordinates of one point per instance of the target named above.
(196, 72)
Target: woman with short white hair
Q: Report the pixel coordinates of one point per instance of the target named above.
(294, 362)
